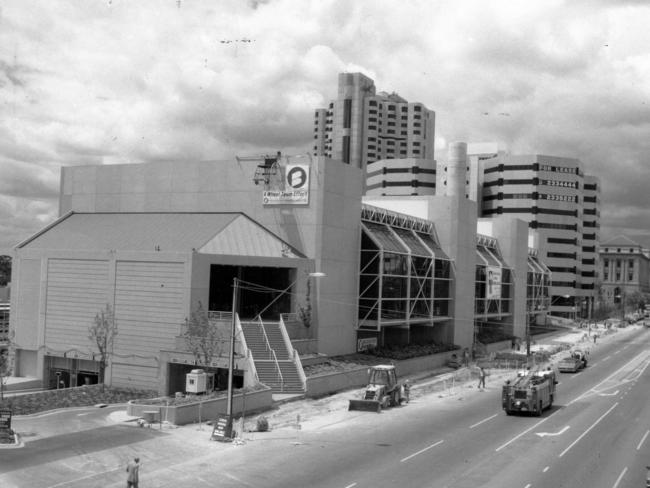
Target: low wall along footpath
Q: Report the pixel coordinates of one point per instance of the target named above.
(201, 409)
(326, 383)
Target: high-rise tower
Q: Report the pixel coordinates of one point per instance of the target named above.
(364, 128)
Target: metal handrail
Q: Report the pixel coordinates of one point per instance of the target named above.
(219, 315)
(293, 354)
(277, 366)
(266, 339)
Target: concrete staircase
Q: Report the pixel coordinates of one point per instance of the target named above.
(274, 363)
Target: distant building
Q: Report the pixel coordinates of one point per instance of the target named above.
(624, 270)
(560, 203)
(362, 128)
(4, 313)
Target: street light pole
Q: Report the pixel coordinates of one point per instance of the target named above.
(231, 358)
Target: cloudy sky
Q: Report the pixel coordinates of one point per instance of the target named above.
(116, 81)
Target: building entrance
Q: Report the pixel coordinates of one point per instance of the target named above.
(260, 287)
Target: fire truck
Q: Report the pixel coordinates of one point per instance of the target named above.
(531, 391)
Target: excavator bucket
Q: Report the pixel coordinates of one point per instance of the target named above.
(365, 405)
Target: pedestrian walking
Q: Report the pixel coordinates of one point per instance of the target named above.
(481, 377)
(133, 473)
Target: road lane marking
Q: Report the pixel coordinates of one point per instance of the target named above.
(643, 439)
(525, 432)
(607, 394)
(636, 358)
(545, 469)
(606, 358)
(620, 477)
(587, 431)
(63, 483)
(350, 486)
(484, 420)
(527, 486)
(544, 434)
(421, 451)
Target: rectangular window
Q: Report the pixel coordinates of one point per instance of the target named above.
(347, 113)
(346, 149)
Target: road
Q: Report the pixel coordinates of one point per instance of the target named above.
(596, 435)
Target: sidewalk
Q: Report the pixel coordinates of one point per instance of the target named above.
(307, 414)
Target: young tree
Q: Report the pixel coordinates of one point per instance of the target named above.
(5, 270)
(203, 338)
(6, 366)
(102, 333)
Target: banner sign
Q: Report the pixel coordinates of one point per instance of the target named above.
(493, 288)
(295, 187)
(367, 343)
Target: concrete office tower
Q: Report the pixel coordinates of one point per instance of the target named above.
(549, 193)
(362, 127)
(590, 244)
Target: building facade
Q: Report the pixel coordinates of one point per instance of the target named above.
(560, 203)
(153, 241)
(624, 271)
(362, 127)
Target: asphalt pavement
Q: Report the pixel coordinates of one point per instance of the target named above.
(47, 437)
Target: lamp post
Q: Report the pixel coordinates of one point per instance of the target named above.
(231, 356)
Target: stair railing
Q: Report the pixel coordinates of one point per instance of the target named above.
(293, 354)
(266, 340)
(272, 354)
(277, 368)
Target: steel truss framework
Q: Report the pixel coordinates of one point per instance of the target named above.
(538, 281)
(487, 250)
(400, 272)
(394, 219)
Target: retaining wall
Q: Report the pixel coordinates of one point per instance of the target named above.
(327, 383)
(204, 410)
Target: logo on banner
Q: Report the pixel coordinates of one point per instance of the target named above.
(295, 189)
(296, 177)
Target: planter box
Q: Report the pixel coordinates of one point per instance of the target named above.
(204, 410)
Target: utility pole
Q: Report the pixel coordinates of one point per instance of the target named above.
(231, 359)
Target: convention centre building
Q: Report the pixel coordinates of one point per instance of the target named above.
(290, 244)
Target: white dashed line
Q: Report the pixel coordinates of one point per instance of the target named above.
(421, 451)
(587, 431)
(620, 477)
(484, 420)
(643, 439)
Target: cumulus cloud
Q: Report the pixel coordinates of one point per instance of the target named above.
(111, 81)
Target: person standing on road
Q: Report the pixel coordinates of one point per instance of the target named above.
(481, 377)
(133, 473)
